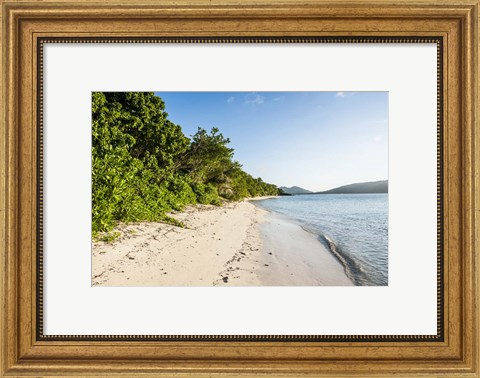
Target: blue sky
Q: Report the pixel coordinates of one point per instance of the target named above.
(316, 140)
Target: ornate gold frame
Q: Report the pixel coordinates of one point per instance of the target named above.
(25, 23)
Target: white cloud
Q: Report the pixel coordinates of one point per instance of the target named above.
(230, 99)
(254, 99)
(279, 98)
(377, 139)
(344, 94)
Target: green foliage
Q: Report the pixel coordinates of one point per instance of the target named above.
(173, 221)
(109, 236)
(143, 166)
(181, 193)
(206, 194)
(208, 158)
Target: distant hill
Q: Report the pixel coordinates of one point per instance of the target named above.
(295, 190)
(359, 188)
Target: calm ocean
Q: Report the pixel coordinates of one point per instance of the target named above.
(353, 226)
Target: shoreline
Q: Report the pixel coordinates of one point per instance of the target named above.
(300, 253)
(238, 244)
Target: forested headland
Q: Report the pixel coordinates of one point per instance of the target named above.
(143, 166)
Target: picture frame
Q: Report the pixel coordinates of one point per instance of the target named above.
(26, 351)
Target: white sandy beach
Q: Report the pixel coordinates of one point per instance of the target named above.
(238, 244)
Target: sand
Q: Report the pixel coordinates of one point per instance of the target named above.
(238, 244)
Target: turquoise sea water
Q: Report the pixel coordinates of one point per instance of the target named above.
(353, 226)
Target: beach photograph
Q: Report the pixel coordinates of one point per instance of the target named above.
(239, 189)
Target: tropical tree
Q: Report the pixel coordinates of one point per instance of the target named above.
(143, 166)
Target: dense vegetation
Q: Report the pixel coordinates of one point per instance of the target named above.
(143, 166)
